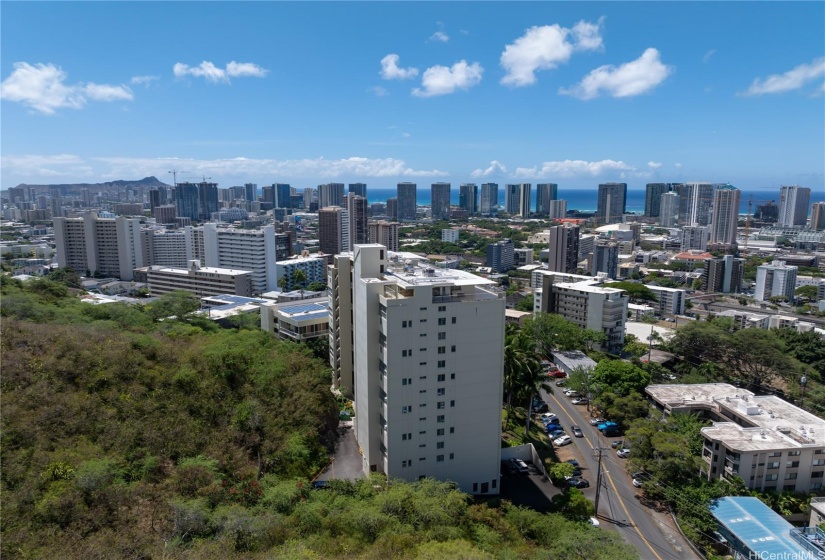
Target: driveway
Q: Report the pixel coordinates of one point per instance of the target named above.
(346, 462)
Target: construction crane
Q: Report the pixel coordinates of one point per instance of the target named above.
(174, 173)
(748, 223)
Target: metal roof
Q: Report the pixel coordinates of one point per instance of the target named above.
(757, 526)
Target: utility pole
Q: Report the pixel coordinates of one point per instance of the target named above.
(598, 452)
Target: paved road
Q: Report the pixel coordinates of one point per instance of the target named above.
(346, 463)
(621, 506)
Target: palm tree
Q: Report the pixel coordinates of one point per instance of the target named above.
(514, 360)
(532, 380)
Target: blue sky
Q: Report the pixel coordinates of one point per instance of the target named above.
(308, 93)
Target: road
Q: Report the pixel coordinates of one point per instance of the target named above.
(621, 505)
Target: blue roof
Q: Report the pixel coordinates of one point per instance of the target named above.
(305, 311)
(757, 526)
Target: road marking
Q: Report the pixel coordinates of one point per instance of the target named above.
(615, 490)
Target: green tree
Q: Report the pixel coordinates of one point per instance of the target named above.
(758, 356)
(553, 332)
(178, 304)
(317, 286)
(299, 277)
(637, 291)
(525, 304)
(522, 368)
(623, 409)
(620, 377)
(579, 379)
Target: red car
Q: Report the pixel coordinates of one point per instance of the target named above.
(556, 373)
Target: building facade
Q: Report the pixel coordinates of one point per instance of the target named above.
(723, 275)
(468, 197)
(611, 203)
(356, 207)
(440, 201)
(384, 233)
(314, 270)
(669, 209)
(695, 238)
(725, 215)
(500, 256)
(817, 216)
(605, 258)
(695, 203)
(200, 280)
(359, 189)
(333, 230)
(488, 201)
(775, 279)
(545, 194)
(563, 248)
(653, 197)
(105, 246)
(793, 205)
(331, 194)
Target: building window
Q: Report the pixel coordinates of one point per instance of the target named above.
(791, 464)
(452, 376)
(442, 349)
(439, 445)
(440, 404)
(422, 419)
(494, 484)
(405, 353)
(452, 430)
(775, 454)
(422, 391)
(422, 320)
(452, 348)
(452, 404)
(817, 462)
(423, 445)
(794, 453)
(422, 458)
(439, 458)
(442, 320)
(422, 405)
(442, 363)
(816, 474)
(439, 432)
(404, 324)
(475, 486)
(816, 486)
(442, 336)
(406, 381)
(771, 477)
(422, 334)
(454, 321)
(422, 308)
(452, 456)
(406, 463)
(422, 363)
(440, 419)
(405, 437)
(440, 391)
(441, 377)
(422, 433)
(406, 409)
(791, 476)
(442, 308)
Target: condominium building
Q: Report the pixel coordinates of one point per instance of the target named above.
(546, 193)
(384, 233)
(356, 207)
(586, 303)
(449, 235)
(333, 230)
(769, 443)
(669, 209)
(297, 321)
(524, 196)
(558, 209)
(817, 216)
(611, 203)
(669, 301)
(511, 199)
(440, 201)
(331, 194)
(695, 203)
(726, 215)
(250, 191)
(500, 255)
(207, 200)
(426, 369)
(793, 206)
(605, 258)
(314, 270)
(723, 275)
(695, 238)
(105, 246)
(186, 200)
(522, 256)
(392, 208)
(563, 248)
(407, 201)
(200, 280)
(775, 279)
(468, 197)
(164, 247)
(489, 198)
(166, 214)
(359, 189)
(653, 197)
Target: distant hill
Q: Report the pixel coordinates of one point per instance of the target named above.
(146, 182)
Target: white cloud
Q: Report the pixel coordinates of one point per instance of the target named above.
(573, 168)
(43, 87)
(439, 36)
(544, 48)
(677, 165)
(391, 71)
(145, 80)
(708, 55)
(379, 91)
(216, 74)
(58, 165)
(790, 80)
(632, 78)
(495, 167)
(654, 165)
(441, 80)
(406, 134)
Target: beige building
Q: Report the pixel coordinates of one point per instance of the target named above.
(297, 321)
(200, 280)
(105, 246)
(384, 233)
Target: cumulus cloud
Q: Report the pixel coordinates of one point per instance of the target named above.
(573, 168)
(442, 80)
(391, 71)
(57, 165)
(544, 48)
(632, 78)
(215, 74)
(43, 87)
(495, 167)
(144, 80)
(440, 36)
(654, 165)
(790, 80)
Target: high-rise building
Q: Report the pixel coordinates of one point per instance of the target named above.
(384, 233)
(392, 208)
(429, 410)
(524, 196)
(653, 197)
(775, 279)
(723, 275)
(817, 216)
(104, 246)
(558, 210)
(489, 198)
(611, 204)
(331, 194)
(283, 195)
(207, 200)
(440, 201)
(407, 201)
(793, 206)
(250, 191)
(186, 200)
(238, 193)
(333, 230)
(511, 199)
(545, 194)
(563, 245)
(164, 247)
(695, 238)
(605, 258)
(725, 215)
(359, 188)
(166, 214)
(268, 196)
(500, 256)
(157, 197)
(356, 207)
(17, 195)
(669, 210)
(695, 204)
(468, 197)
(310, 196)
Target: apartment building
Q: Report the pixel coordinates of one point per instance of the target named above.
(200, 280)
(333, 230)
(297, 321)
(723, 275)
(563, 245)
(314, 270)
(164, 247)
(426, 372)
(669, 301)
(775, 279)
(106, 246)
(500, 256)
(384, 233)
(769, 443)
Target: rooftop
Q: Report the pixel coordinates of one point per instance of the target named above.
(409, 270)
(774, 423)
(306, 310)
(757, 526)
(590, 286)
(202, 269)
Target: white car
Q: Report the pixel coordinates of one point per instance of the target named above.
(624, 452)
(563, 440)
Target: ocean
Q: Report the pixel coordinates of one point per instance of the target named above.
(585, 200)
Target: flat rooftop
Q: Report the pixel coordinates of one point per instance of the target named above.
(304, 310)
(203, 269)
(774, 423)
(410, 270)
(590, 286)
(756, 525)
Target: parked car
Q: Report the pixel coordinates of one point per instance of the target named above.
(540, 407)
(573, 462)
(594, 522)
(611, 432)
(580, 400)
(547, 414)
(556, 373)
(563, 440)
(555, 432)
(573, 394)
(624, 452)
(521, 466)
(508, 467)
(550, 421)
(640, 478)
(617, 444)
(578, 483)
(577, 472)
(597, 421)
(606, 426)
(577, 431)
(561, 382)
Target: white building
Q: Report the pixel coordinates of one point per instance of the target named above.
(297, 321)
(449, 235)
(558, 209)
(775, 279)
(769, 443)
(200, 280)
(89, 245)
(670, 301)
(427, 369)
(793, 206)
(695, 238)
(314, 270)
(164, 247)
(669, 209)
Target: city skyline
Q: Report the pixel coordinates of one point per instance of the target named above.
(456, 92)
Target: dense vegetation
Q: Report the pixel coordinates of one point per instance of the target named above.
(147, 432)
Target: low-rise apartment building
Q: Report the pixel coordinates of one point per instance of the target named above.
(200, 280)
(296, 321)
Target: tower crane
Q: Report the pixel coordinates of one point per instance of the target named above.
(748, 223)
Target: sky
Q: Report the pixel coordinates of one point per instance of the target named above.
(575, 93)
